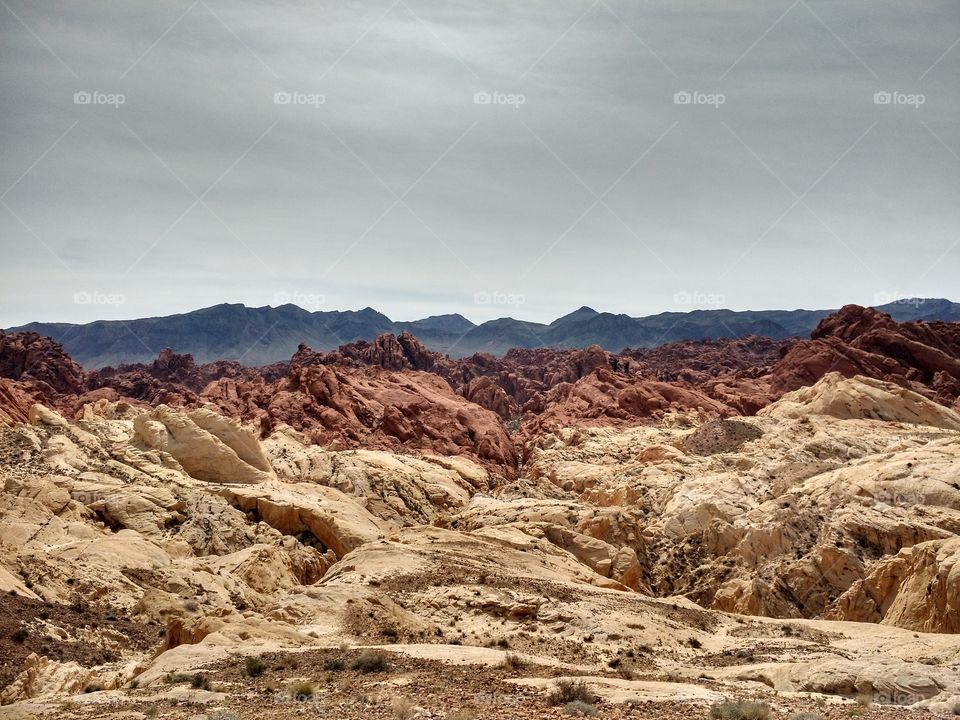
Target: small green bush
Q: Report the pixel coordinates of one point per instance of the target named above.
(568, 691)
(740, 710)
(334, 665)
(371, 662)
(254, 666)
(513, 662)
(302, 691)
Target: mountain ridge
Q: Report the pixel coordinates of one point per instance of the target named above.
(258, 336)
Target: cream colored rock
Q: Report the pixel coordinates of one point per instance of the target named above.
(207, 448)
(862, 398)
(335, 519)
(918, 588)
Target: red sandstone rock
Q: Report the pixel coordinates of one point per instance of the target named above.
(30, 357)
(924, 357)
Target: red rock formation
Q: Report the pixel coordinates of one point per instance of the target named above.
(924, 357)
(608, 398)
(34, 369)
(373, 408)
(395, 394)
(29, 357)
(709, 358)
(15, 401)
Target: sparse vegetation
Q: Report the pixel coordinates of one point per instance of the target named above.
(740, 710)
(513, 662)
(370, 662)
(567, 691)
(254, 666)
(334, 665)
(200, 682)
(302, 691)
(806, 716)
(20, 635)
(177, 678)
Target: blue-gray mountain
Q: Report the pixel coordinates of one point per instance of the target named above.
(257, 336)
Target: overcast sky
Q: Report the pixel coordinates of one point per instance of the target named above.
(386, 181)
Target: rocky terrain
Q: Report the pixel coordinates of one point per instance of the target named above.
(386, 532)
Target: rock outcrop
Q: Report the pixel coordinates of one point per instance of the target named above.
(862, 398)
(924, 357)
(205, 444)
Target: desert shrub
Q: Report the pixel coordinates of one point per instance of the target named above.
(177, 678)
(301, 691)
(694, 643)
(334, 665)
(254, 666)
(20, 635)
(200, 682)
(370, 662)
(568, 691)
(740, 710)
(578, 707)
(390, 633)
(806, 716)
(513, 662)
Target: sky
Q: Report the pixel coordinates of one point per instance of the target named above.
(488, 158)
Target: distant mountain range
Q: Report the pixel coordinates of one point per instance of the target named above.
(257, 336)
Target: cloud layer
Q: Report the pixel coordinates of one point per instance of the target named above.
(412, 154)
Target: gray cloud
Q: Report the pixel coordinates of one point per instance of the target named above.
(399, 192)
